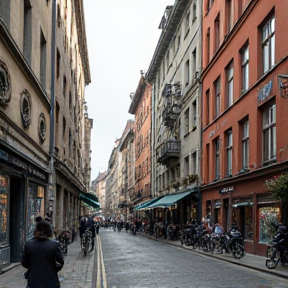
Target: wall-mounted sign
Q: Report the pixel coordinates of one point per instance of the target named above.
(226, 190)
(264, 92)
(283, 85)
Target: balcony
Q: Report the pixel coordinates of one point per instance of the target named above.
(168, 151)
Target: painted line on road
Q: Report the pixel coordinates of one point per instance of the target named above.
(101, 273)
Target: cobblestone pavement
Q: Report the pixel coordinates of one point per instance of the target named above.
(80, 271)
(138, 262)
(249, 260)
(77, 270)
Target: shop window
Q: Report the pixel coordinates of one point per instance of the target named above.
(35, 206)
(269, 218)
(3, 208)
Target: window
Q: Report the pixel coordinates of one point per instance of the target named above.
(186, 166)
(64, 86)
(245, 68)
(178, 42)
(229, 15)
(64, 127)
(268, 44)
(187, 76)
(194, 64)
(217, 157)
(229, 79)
(207, 106)
(217, 32)
(229, 145)
(194, 114)
(27, 49)
(208, 45)
(186, 122)
(187, 22)
(167, 59)
(207, 168)
(217, 97)
(58, 63)
(42, 60)
(194, 16)
(194, 163)
(269, 133)
(245, 144)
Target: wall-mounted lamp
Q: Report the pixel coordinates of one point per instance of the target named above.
(40, 192)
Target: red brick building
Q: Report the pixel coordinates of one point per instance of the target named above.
(245, 139)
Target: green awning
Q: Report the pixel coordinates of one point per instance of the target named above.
(147, 203)
(169, 200)
(90, 199)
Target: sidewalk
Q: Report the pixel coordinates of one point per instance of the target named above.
(77, 270)
(249, 260)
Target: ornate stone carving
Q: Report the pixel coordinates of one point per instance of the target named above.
(25, 108)
(42, 127)
(5, 84)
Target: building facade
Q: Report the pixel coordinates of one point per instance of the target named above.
(141, 108)
(40, 172)
(125, 147)
(98, 187)
(175, 145)
(244, 139)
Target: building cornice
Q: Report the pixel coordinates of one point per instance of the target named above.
(166, 37)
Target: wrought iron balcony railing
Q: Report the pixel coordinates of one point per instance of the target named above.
(168, 151)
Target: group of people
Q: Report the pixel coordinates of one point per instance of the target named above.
(42, 256)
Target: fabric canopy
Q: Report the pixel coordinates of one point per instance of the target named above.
(169, 200)
(90, 199)
(142, 206)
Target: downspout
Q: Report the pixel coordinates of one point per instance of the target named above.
(51, 195)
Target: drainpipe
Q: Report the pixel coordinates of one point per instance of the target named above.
(51, 194)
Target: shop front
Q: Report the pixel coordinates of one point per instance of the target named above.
(22, 197)
(247, 205)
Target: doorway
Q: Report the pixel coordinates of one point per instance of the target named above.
(16, 219)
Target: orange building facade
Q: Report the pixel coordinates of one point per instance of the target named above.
(141, 108)
(244, 115)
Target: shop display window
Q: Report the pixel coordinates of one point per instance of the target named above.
(269, 218)
(35, 206)
(3, 208)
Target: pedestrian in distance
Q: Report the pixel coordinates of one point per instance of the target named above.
(97, 227)
(43, 258)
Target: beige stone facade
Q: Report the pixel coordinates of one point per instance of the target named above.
(44, 127)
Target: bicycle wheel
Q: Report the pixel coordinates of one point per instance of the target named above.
(238, 250)
(86, 246)
(274, 257)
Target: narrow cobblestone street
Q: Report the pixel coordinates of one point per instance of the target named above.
(137, 261)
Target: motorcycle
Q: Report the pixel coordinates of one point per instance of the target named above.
(278, 251)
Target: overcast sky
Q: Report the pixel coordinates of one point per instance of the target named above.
(122, 36)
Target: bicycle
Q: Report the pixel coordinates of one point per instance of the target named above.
(86, 242)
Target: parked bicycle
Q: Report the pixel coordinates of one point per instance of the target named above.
(87, 242)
